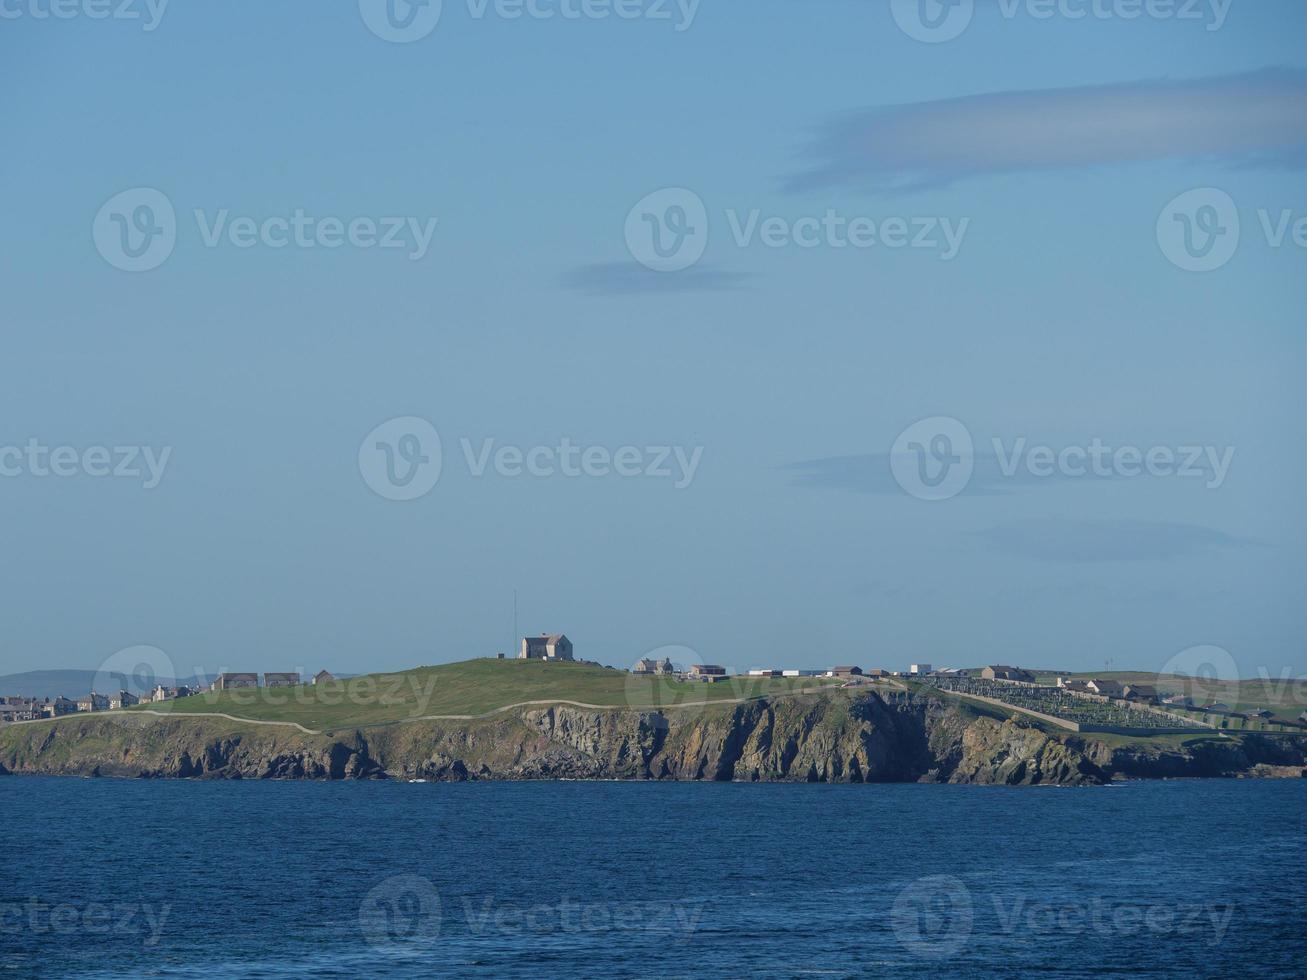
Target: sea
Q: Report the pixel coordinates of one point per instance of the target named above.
(157, 878)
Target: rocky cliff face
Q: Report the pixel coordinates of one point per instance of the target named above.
(837, 737)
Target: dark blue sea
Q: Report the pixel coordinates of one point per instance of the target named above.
(108, 878)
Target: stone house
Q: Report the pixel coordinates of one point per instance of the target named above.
(1140, 692)
(93, 702)
(648, 665)
(323, 677)
(1000, 672)
(546, 646)
(281, 680)
(1106, 688)
(226, 682)
(704, 671)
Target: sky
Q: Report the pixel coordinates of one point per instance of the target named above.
(782, 333)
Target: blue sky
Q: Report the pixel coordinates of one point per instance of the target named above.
(1056, 143)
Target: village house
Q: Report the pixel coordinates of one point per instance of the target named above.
(844, 672)
(706, 672)
(281, 680)
(1000, 672)
(1140, 692)
(648, 665)
(546, 646)
(877, 672)
(93, 702)
(123, 699)
(59, 707)
(1105, 688)
(1178, 700)
(18, 709)
(226, 682)
(325, 677)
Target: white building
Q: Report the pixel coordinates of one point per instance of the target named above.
(919, 669)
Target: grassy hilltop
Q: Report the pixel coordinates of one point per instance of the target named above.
(468, 689)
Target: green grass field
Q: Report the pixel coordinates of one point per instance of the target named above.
(472, 687)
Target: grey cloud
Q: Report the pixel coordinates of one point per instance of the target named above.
(1251, 119)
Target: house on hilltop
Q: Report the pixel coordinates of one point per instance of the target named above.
(707, 672)
(1140, 692)
(93, 702)
(1000, 672)
(323, 677)
(281, 680)
(226, 682)
(648, 665)
(1105, 688)
(546, 646)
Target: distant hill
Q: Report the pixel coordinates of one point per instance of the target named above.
(72, 683)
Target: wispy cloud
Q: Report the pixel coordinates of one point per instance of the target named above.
(1096, 541)
(623, 278)
(1251, 119)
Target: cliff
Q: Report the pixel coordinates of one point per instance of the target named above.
(836, 737)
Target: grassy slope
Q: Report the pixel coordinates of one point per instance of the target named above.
(473, 687)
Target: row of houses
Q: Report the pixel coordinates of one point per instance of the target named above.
(712, 673)
(233, 681)
(20, 708)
